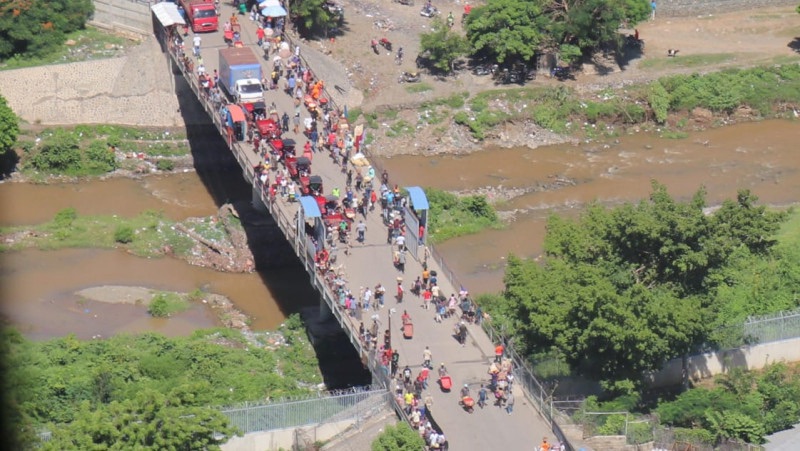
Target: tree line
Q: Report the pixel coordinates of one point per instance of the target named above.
(37, 27)
(620, 291)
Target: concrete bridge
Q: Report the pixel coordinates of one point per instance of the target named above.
(369, 263)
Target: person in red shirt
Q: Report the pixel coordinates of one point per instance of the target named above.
(260, 35)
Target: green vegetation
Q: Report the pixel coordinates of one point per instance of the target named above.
(144, 235)
(148, 390)
(9, 129)
(442, 46)
(38, 27)
(89, 43)
(743, 406)
(311, 16)
(697, 60)
(621, 291)
(165, 165)
(166, 304)
(452, 216)
(399, 437)
(416, 88)
(511, 31)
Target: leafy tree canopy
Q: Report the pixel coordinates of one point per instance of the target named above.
(167, 383)
(9, 125)
(36, 27)
(442, 46)
(398, 438)
(623, 290)
(507, 30)
(311, 15)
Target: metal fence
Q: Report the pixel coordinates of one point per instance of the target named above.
(355, 406)
(757, 330)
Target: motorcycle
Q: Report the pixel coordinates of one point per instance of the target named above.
(405, 2)
(561, 73)
(409, 77)
(486, 69)
(429, 11)
(385, 43)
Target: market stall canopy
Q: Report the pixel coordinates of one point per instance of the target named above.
(167, 13)
(236, 113)
(273, 11)
(418, 199)
(310, 207)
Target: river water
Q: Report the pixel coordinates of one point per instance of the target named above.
(761, 156)
(38, 286)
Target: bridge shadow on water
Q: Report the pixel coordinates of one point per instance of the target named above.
(276, 263)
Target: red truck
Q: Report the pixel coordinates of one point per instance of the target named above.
(201, 14)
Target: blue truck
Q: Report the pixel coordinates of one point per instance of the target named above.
(240, 75)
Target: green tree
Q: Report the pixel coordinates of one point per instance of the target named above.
(623, 290)
(149, 421)
(398, 438)
(9, 125)
(587, 24)
(311, 16)
(442, 46)
(36, 27)
(507, 31)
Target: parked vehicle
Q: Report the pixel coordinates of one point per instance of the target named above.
(201, 15)
(240, 75)
(429, 10)
(405, 2)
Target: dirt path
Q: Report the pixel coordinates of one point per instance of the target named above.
(708, 42)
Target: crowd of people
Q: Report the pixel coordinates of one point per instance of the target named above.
(326, 130)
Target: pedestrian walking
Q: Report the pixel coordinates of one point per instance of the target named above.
(653, 10)
(296, 122)
(498, 353)
(361, 228)
(482, 394)
(401, 261)
(427, 357)
(196, 40)
(379, 294)
(510, 402)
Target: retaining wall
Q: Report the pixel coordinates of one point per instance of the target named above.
(123, 15)
(713, 363)
(676, 8)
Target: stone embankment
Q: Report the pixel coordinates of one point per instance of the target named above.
(138, 89)
(683, 8)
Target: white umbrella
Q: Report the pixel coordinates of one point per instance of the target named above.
(273, 11)
(268, 3)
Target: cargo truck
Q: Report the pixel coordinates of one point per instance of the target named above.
(240, 75)
(201, 15)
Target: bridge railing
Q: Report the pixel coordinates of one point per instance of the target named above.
(533, 389)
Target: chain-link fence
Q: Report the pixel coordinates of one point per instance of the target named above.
(357, 406)
(759, 329)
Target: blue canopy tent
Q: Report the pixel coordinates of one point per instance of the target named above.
(273, 11)
(416, 218)
(313, 235)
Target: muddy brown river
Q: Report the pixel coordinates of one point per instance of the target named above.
(38, 285)
(761, 156)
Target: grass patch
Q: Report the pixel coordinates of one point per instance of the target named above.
(164, 305)
(390, 114)
(144, 235)
(452, 216)
(417, 88)
(400, 128)
(90, 44)
(698, 60)
(372, 120)
(789, 235)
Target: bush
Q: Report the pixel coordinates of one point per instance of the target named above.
(165, 304)
(124, 234)
(658, 97)
(58, 153)
(99, 158)
(398, 438)
(165, 165)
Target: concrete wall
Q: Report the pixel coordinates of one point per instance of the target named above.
(710, 364)
(284, 438)
(124, 15)
(674, 8)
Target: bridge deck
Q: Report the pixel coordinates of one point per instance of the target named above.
(370, 263)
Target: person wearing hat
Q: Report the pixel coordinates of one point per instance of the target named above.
(465, 391)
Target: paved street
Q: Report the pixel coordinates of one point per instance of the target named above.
(370, 263)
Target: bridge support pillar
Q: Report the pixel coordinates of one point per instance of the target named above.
(256, 200)
(324, 310)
